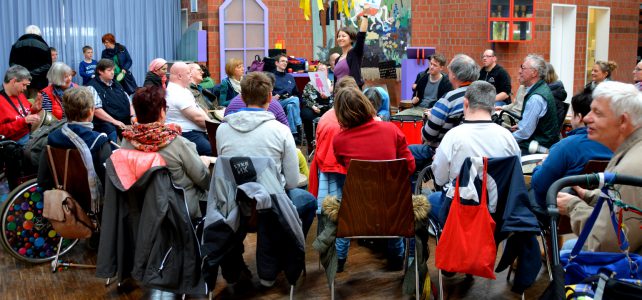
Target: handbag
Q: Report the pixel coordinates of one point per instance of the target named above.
(467, 244)
(257, 64)
(579, 265)
(63, 212)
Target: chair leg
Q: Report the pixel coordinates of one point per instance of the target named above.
(406, 261)
(332, 290)
(548, 261)
(291, 292)
(417, 274)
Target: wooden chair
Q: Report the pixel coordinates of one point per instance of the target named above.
(211, 128)
(76, 184)
(377, 203)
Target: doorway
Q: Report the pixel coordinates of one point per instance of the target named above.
(597, 37)
(563, 24)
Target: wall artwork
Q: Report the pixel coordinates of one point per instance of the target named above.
(388, 29)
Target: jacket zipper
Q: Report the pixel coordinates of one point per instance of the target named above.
(162, 265)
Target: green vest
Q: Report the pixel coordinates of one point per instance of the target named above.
(547, 131)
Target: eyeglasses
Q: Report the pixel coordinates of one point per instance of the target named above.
(283, 61)
(487, 56)
(637, 69)
(523, 68)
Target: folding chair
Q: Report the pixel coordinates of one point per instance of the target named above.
(70, 165)
(377, 203)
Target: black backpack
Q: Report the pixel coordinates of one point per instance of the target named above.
(38, 141)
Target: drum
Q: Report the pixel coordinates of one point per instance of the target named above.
(410, 126)
(405, 104)
(46, 118)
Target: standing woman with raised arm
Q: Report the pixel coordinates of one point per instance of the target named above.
(349, 63)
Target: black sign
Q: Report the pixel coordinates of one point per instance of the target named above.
(388, 69)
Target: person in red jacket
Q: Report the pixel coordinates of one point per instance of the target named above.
(59, 77)
(16, 114)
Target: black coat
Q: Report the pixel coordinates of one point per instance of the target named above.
(125, 63)
(32, 52)
(147, 234)
(422, 80)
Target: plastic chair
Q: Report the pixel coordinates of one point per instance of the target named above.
(76, 185)
(377, 203)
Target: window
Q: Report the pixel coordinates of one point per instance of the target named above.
(510, 20)
(244, 31)
(193, 6)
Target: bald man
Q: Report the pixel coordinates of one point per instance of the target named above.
(183, 110)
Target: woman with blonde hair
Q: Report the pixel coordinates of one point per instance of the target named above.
(59, 77)
(231, 85)
(602, 71)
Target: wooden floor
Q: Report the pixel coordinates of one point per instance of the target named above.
(365, 278)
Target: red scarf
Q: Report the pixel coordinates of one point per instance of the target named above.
(151, 137)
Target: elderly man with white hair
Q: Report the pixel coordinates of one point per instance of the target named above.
(539, 118)
(32, 52)
(614, 121)
(183, 110)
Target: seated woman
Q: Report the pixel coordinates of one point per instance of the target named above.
(231, 85)
(315, 104)
(59, 77)
(157, 73)
(364, 138)
(151, 134)
(78, 104)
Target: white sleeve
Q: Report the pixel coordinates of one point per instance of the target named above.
(98, 103)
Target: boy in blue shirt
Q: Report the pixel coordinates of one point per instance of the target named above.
(87, 67)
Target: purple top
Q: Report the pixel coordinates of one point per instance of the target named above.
(275, 108)
(341, 69)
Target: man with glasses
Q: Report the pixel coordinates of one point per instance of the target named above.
(183, 110)
(539, 118)
(285, 88)
(197, 90)
(497, 76)
(637, 76)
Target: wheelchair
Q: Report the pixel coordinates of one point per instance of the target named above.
(26, 234)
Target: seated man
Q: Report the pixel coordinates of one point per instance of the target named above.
(16, 118)
(78, 104)
(477, 136)
(448, 111)
(197, 90)
(275, 107)
(285, 88)
(539, 115)
(430, 86)
(113, 110)
(183, 110)
(253, 131)
(569, 156)
(614, 121)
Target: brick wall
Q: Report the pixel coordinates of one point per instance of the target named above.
(454, 26)
(459, 26)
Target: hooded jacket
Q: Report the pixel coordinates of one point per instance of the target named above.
(32, 52)
(149, 235)
(262, 135)
(280, 240)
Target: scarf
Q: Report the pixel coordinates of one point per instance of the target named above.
(236, 84)
(95, 187)
(151, 137)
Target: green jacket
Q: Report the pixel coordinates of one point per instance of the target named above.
(547, 131)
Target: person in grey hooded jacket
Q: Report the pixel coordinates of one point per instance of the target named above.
(253, 131)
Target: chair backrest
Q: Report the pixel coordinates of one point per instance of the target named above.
(211, 135)
(595, 166)
(377, 200)
(77, 182)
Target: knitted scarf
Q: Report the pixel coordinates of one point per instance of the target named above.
(151, 137)
(236, 84)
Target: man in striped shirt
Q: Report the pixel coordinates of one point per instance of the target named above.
(448, 112)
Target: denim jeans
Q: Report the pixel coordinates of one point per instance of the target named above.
(199, 138)
(395, 247)
(422, 154)
(306, 206)
(436, 200)
(23, 140)
(292, 109)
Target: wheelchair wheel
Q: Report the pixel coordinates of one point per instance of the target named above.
(26, 234)
(426, 182)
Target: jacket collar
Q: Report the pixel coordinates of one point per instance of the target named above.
(620, 152)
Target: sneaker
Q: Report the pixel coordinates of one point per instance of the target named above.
(266, 283)
(341, 265)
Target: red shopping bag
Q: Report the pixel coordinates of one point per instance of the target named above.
(467, 244)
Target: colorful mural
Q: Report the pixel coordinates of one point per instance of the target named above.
(388, 30)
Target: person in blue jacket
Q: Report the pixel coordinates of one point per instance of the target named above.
(87, 67)
(378, 93)
(119, 54)
(569, 156)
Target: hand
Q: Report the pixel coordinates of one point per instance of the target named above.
(316, 109)
(580, 191)
(498, 108)
(124, 71)
(207, 160)
(32, 119)
(414, 86)
(119, 124)
(562, 202)
(37, 104)
(514, 128)
(415, 100)
(275, 97)
(323, 96)
(427, 113)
